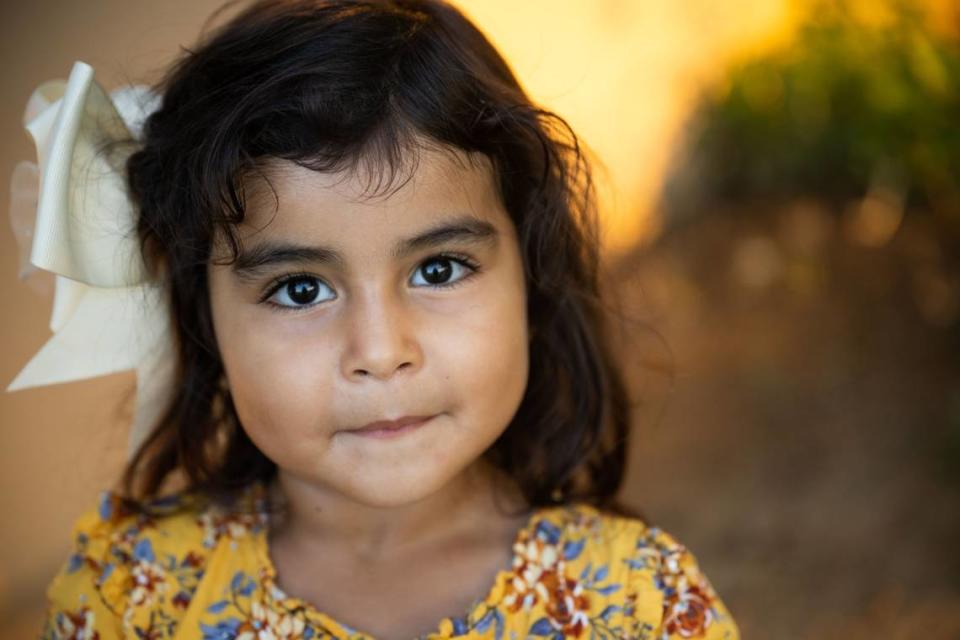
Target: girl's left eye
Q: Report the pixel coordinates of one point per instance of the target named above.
(299, 291)
(440, 270)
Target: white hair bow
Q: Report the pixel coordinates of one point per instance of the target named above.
(107, 316)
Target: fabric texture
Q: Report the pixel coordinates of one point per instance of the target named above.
(74, 209)
(194, 569)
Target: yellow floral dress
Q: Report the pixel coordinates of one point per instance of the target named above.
(192, 569)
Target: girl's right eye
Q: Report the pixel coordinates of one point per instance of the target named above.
(297, 292)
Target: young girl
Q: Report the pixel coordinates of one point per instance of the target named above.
(395, 413)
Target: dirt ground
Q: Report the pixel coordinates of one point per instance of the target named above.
(805, 445)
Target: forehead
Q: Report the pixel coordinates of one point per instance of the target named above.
(432, 185)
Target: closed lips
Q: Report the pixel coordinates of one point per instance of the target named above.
(392, 424)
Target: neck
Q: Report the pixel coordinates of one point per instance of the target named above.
(312, 514)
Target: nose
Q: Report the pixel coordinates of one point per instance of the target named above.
(379, 338)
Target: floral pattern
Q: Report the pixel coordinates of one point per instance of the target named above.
(690, 604)
(184, 567)
(75, 625)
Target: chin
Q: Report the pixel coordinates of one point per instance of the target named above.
(388, 491)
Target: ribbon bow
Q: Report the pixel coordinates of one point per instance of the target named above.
(107, 316)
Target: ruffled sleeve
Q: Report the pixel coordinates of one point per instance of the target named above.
(85, 599)
(689, 605)
(132, 571)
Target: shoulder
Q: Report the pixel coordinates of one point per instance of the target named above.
(691, 607)
(134, 566)
(622, 564)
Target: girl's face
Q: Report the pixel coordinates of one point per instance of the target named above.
(345, 309)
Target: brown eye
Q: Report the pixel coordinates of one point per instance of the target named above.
(299, 291)
(443, 271)
(437, 271)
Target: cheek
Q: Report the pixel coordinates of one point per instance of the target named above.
(486, 357)
(280, 383)
(272, 382)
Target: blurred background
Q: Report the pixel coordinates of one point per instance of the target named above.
(780, 190)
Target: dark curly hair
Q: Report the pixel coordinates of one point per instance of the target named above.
(333, 85)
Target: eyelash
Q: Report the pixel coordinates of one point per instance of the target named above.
(281, 281)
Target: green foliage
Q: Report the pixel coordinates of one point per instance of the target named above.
(845, 106)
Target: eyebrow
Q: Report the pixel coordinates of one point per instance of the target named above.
(466, 229)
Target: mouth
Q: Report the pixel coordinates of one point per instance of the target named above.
(391, 428)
